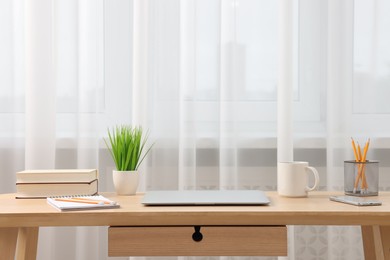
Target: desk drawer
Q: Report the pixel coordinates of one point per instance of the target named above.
(213, 241)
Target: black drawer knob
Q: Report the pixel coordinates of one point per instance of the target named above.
(197, 236)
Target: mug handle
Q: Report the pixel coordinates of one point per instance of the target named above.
(316, 179)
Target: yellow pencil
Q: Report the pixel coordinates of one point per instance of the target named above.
(359, 176)
(85, 200)
(365, 150)
(359, 157)
(92, 200)
(357, 160)
(354, 150)
(364, 181)
(80, 201)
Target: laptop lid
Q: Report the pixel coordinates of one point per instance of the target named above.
(205, 197)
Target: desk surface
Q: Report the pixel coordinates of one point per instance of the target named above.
(314, 210)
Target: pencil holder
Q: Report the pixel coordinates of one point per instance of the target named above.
(361, 178)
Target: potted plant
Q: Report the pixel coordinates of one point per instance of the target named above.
(126, 147)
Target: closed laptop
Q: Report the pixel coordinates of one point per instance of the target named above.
(205, 197)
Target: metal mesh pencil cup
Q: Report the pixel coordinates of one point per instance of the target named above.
(361, 178)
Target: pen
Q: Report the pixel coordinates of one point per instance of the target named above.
(93, 200)
(88, 201)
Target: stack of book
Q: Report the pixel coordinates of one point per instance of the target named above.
(48, 183)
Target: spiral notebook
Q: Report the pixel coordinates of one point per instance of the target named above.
(65, 203)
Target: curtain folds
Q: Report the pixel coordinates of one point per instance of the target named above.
(225, 88)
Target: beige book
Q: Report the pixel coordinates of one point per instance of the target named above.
(52, 176)
(43, 190)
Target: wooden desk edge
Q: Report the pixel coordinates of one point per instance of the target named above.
(375, 222)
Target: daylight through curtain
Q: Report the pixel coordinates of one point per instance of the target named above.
(226, 88)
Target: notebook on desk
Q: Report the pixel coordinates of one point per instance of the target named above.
(205, 197)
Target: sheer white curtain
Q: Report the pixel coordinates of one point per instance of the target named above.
(63, 52)
(210, 66)
(53, 109)
(202, 76)
(212, 82)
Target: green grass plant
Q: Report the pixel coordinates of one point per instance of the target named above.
(126, 147)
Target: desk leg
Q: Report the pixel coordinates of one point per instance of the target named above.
(376, 242)
(8, 238)
(26, 248)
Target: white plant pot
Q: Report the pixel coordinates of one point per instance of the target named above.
(125, 182)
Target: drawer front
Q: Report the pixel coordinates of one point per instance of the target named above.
(212, 241)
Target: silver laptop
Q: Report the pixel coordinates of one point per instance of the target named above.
(205, 197)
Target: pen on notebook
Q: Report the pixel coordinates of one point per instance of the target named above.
(88, 201)
(93, 200)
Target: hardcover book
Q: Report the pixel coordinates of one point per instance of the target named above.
(43, 190)
(51, 176)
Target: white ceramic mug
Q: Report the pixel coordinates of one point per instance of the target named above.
(293, 179)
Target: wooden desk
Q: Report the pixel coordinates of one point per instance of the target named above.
(21, 219)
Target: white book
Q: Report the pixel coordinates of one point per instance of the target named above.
(43, 190)
(64, 203)
(56, 175)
